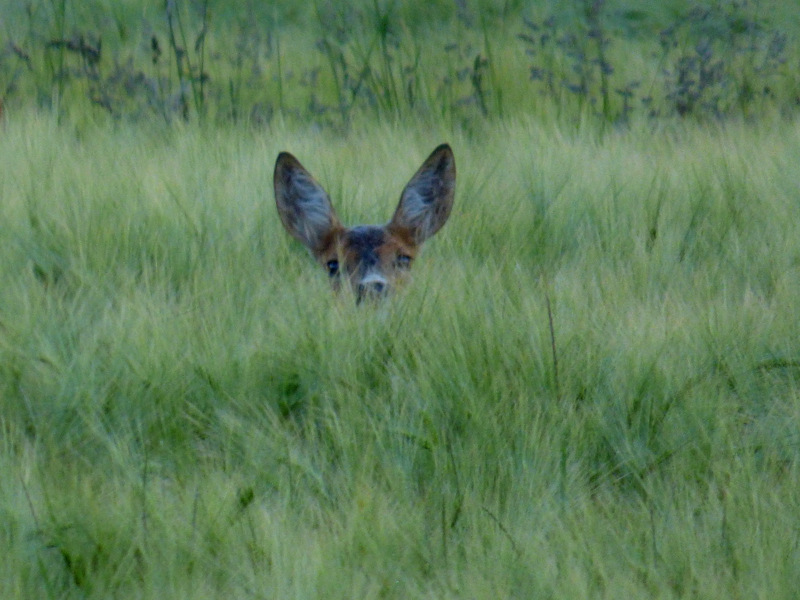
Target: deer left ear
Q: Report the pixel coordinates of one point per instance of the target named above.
(303, 206)
(427, 199)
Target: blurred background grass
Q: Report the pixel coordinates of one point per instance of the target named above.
(326, 64)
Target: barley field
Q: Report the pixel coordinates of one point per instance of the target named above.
(590, 388)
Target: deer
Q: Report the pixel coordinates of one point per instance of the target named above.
(374, 259)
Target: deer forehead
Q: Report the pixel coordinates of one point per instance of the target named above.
(372, 245)
(364, 241)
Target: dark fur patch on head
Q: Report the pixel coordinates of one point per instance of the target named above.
(361, 245)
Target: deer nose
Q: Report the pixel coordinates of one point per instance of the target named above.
(372, 286)
(376, 287)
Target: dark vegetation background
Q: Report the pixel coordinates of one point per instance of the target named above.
(327, 63)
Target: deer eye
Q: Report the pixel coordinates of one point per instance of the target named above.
(333, 267)
(403, 261)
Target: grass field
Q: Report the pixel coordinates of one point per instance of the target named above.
(589, 389)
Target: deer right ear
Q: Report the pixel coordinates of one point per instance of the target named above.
(427, 199)
(303, 206)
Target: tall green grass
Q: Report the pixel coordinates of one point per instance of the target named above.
(591, 387)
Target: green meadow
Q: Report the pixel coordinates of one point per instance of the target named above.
(590, 388)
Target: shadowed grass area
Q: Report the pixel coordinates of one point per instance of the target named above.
(187, 411)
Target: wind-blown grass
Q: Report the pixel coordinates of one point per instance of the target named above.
(187, 410)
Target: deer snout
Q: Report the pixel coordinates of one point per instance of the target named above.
(372, 285)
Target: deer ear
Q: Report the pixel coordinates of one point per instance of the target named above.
(427, 199)
(303, 206)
